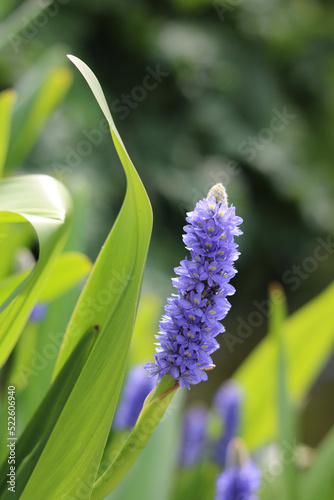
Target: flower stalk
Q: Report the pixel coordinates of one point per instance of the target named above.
(153, 410)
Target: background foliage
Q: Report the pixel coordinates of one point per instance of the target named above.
(226, 70)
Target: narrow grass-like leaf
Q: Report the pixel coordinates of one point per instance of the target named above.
(72, 455)
(53, 90)
(45, 203)
(305, 357)
(286, 486)
(7, 100)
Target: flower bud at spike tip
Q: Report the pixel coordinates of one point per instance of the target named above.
(192, 320)
(218, 192)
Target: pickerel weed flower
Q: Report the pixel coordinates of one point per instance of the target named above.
(226, 404)
(137, 386)
(241, 479)
(194, 436)
(187, 335)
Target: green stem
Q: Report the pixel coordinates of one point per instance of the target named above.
(153, 410)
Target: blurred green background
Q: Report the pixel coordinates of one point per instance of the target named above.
(202, 92)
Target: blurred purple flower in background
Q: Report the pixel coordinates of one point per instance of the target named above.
(194, 436)
(241, 478)
(239, 482)
(38, 313)
(137, 386)
(226, 404)
(192, 321)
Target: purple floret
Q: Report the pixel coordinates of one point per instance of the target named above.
(192, 319)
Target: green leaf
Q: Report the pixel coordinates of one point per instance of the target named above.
(318, 482)
(35, 435)
(286, 486)
(153, 410)
(54, 87)
(305, 358)
(9, 284)
(14, 237)
(72, 455)
(7, 101)
(69, 269)
(45, 204)
(160, 468)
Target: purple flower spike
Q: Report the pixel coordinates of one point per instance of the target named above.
(226, 404)
(241, 479)
(137, 386)
(193, 440)
(239, 482)
(188, 330)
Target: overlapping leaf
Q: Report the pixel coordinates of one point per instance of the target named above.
(46, 205)
(71, 457)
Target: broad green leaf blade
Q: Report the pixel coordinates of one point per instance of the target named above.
(318, 482)
(7, 101)
(45, 417)
(308, 337)
(72, 455)
(69, 269)
(153, 410)
(53, 90)
(45, 204)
